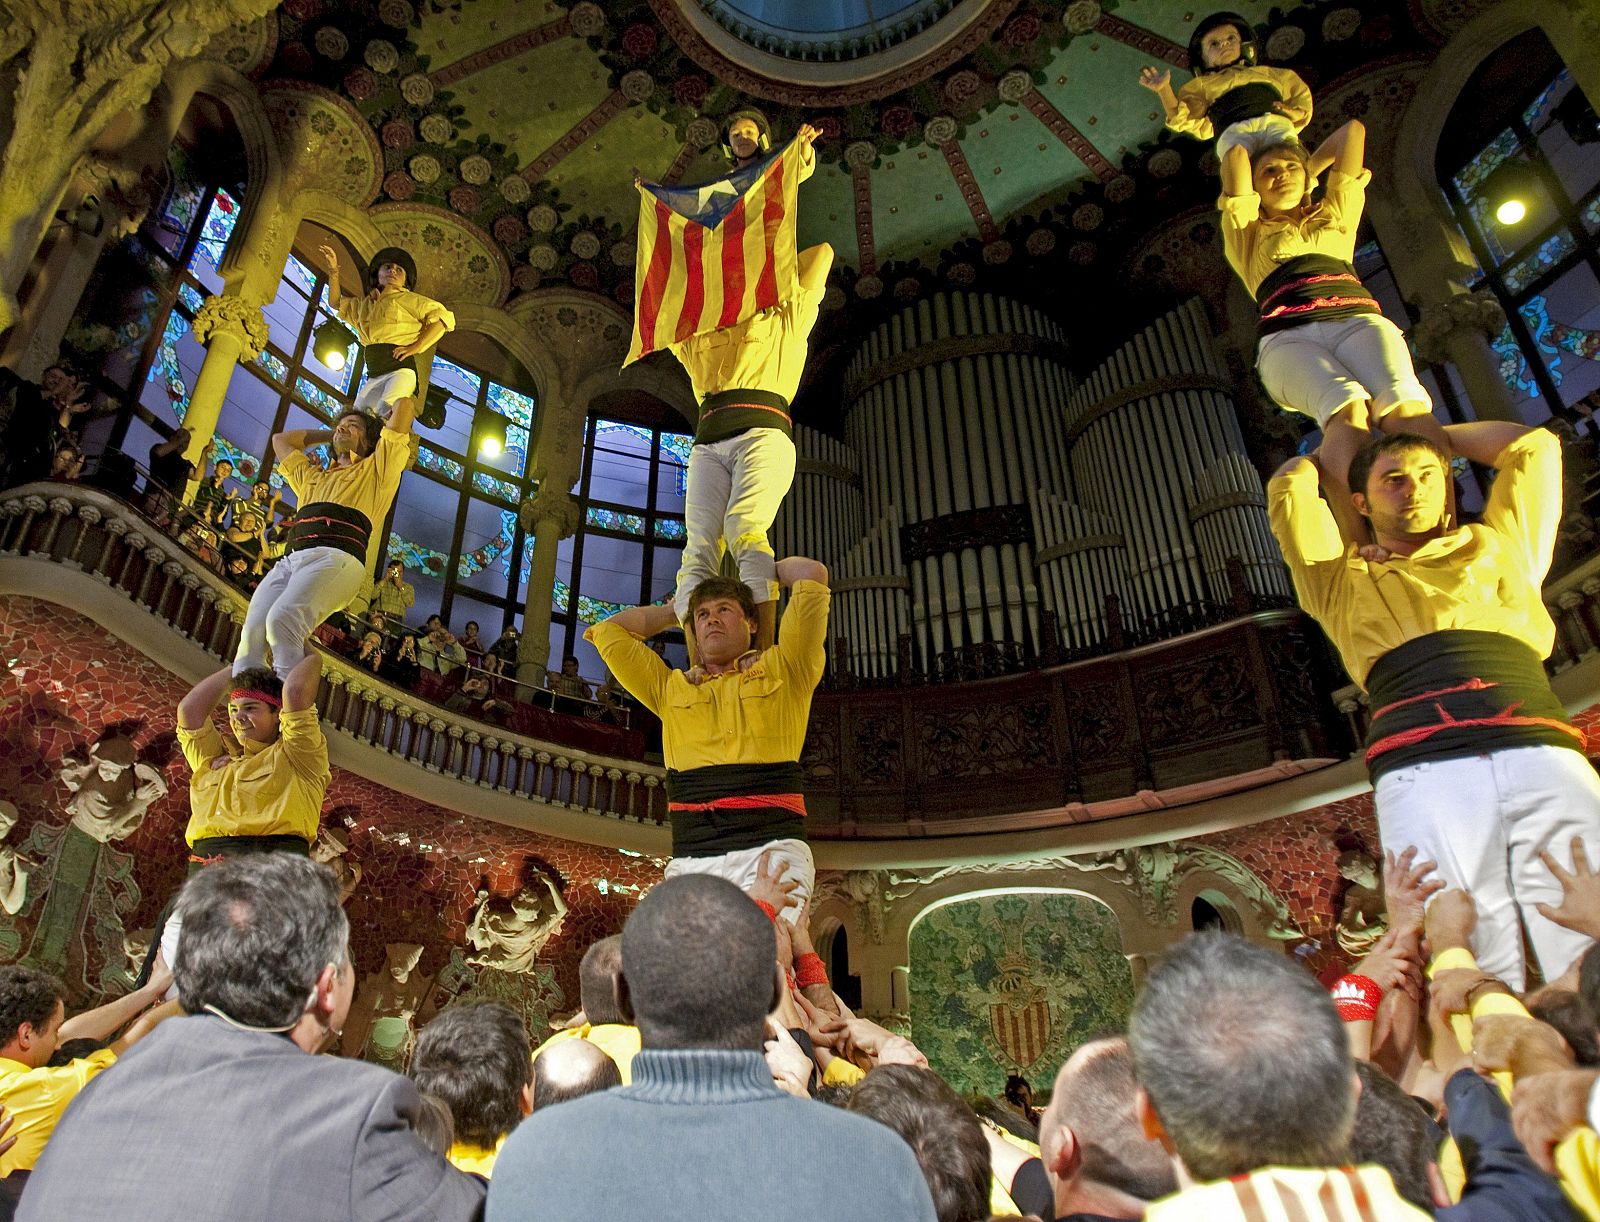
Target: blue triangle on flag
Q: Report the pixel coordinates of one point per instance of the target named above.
(708, 203)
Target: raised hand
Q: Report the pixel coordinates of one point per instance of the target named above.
(1579, 908)
(1407, 888)
(1450, 920)
(330, 260)
(770, 886)
(1155, 79)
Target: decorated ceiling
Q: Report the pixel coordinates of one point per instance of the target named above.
(962, 140)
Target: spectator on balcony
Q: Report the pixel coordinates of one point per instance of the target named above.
(370, 654)
(228, 1113)
(1248, 1081)
(35, 419)
(473, 644)
(392, 593)
(402, 666)
(502, 656)
(67, 463)
(568, 682)
(170, 473)
(1472, 757)
(732, 728)
(246, 539)
(213, 499)
(472, 699)
(439, 650)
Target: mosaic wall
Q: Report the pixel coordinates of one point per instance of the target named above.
(69, 684)
(1012, 984)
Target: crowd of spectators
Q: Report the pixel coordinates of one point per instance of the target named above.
(714, 1073)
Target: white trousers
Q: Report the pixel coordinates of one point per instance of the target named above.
(735, 489)
(377, 393)
(1484, 819)
(1315, 368)
(1262, 132)
(790, 857)
(301, 591)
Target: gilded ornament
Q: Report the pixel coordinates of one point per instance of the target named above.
(424, 169)
(542, 218)
(1285, 42)
(1120, 189)
(416, 89)
(1341, 24)
(1081, 16)
(1164, 163)
(997, 252)
(623, 253)
(436, 129)
(588, 20)
(585, 245)
(869, 287)
(637, 86)
(701, 132)
(331, 43)
(1088, 217)
(514, 189)
(961, 274)
(381, 56)
(396, 14)
(543, 256)
(939, 129)
(860, 154)
(1015, 85)
(1041, 242)
(475, 169)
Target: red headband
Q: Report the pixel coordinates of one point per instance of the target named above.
(251, 693)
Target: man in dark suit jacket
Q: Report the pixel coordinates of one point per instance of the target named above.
(228, 1117)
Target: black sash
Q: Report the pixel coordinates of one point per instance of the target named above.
(713, 832)
(1249, 101)
(327, 524)
(1311, 288)
(1461, 692)
(731, 412)
(380, 360)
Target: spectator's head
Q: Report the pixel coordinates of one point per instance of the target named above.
(255, 700)
(1398, 482)
(67, 462)
(183, 437)
(433, 623)
(395, 569)
(62, 385)
(1571, 1015)
(376, 619)
(471, 630)
(475, 1057)
(261, 491)
(569, 1069)
(509, 633)
(600, 988)
(32, 1008)
(475, 686)
(722, 617)
(1018, 1092)
(1094, 1150)
(941, 1130)
(1393, 1131)
(265, 943)
(681, 996)
(569, 665)
(355, 434)
(372, 642)
(1242, 1061)
(222, 469)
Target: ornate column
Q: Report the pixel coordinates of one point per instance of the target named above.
(1458, 329)
(549, 515)
(230, 327)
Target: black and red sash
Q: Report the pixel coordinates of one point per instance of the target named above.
(326, 524)
(1311, 288)
(731, 412)
(1461, 692)
(724, 808)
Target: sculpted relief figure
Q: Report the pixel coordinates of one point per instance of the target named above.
(111, 790)
(508, 932)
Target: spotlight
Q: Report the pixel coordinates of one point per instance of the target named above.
(1578, 117)
(490, 434)
(433, 407)
(1512, 191)
(330, 343)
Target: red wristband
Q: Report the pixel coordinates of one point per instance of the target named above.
(808, 970)
(1356, 998)
(772, 913)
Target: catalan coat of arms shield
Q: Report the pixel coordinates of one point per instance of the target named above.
(1021, 1030)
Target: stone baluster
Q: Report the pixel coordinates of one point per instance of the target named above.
(60, 510)
(133, 547)
(490, 748)
(541, 772)
(471, 751)
(205, 622)
(88, 516)
(631, 810)
(651, 784)
(10, 515)
(519, 782)
(454, 761)
(613, 804)
(563, 772)
(182, 619)
(33, 505)
(595, 773)
(116, 531)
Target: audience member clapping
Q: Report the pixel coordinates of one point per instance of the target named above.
(223, 1115)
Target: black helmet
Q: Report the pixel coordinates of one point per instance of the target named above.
(763, 142)
(392, 254)
(1247, 40)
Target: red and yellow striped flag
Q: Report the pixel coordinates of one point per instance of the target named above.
(714, 254)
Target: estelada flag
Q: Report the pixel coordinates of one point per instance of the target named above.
(714, 254)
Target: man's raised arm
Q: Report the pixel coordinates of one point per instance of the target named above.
(801, 568)
(195, 709)
(295, 440)
(645, 622)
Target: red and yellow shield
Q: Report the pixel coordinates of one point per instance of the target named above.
(1021, 1031)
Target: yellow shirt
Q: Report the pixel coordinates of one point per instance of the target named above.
(754, 716)
(841, 1072)
(767, 351)
(618, 1041)
(368, 484)
(392, 318)
(36, 1098)
(272, 790)
(1290, 1192)
(1486, 577)
(1255, 246)
(474, 1160)
(1195, 98)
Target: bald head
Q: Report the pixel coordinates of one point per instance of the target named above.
(1090, 1135)
(570, 1069)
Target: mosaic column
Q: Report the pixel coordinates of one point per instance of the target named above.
(230, 327)
(549, 516)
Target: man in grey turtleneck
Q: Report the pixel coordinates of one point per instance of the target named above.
(702, 1133)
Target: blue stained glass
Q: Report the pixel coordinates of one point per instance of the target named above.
(561, 598)
(671, 528)
(302, 275)
(1549, 253)
(274, 365)
(180, 207)
(316, 397)
(1591, 212)
(191, 297)
(511, 404)
(610, 519)
(165, 368)
(1531, 115)
(484, 482)
(675, 449)
(1470, 177)
(218, 228)
(245, 464)
(432, 460)
(461, 376)
(593, 610)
